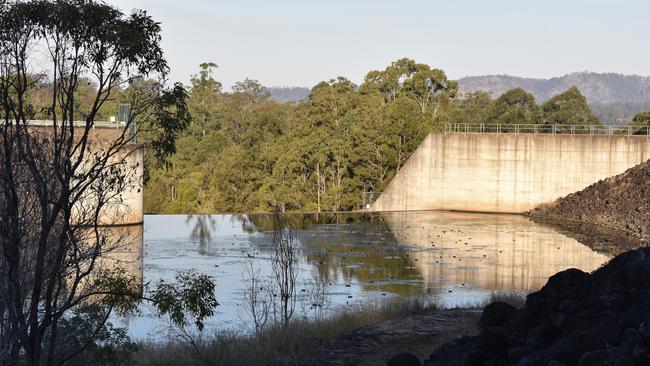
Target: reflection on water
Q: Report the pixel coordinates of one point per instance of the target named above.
(478, 254)
(202, 228)
(123, 247)
(455, 259)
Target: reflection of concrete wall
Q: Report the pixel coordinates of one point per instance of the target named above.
(506, 173)
(124, 245)
(488, 252)
(130, 209)
(126, 208)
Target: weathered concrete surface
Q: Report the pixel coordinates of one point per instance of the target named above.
(121, 208)
(506, 173)
(127, 208)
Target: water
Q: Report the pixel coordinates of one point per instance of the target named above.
(452, 259)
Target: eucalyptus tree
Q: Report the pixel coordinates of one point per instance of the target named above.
(426, 86)
(205, 94)
(516, 106)
(471, 108)
(569, 108)
(326, 140)
(59, 183)
(640, 124)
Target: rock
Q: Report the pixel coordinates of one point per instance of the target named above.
(576, 318)
(570, 306)
(515, 354)
(489, 348)
(497, 314)
(556, 363)
(604, 358)
(545, 334)
(570, 348)
(630, 340)
(404, 359)
(634, 316)
(644, 330)
(571, 284)
(608, 202)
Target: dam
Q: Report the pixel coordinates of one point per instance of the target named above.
(126, 207)
(494, 170)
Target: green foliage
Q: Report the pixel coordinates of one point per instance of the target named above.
(101, 342)
(640, 123)
(171, 116)
(245, 152)
(429, 88)
(515, 106)
(191, 293)
(569, 108)
(472, 108)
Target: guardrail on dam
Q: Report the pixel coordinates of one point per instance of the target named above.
(490, 170)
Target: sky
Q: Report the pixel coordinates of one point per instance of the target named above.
(303, 42)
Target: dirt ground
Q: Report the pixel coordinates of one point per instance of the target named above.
(376, 344)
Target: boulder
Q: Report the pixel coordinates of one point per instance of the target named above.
(604, 357)
(497, 314)
(576, 318)
(570, 349)
(404, 359)
(489, 348)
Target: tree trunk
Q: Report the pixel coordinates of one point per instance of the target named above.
(318, 187)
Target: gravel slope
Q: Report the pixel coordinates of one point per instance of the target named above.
(621, 202)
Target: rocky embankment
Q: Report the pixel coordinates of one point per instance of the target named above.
(577, 318)
(621, 202)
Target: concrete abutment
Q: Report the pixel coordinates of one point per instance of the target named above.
(506, 173)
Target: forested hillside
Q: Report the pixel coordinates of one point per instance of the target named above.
(284, 94)
(246, 152)
(615, 98)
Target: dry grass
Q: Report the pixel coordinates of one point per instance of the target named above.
(516, 300)
(277, 346)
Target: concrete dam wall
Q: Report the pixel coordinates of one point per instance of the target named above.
(506, 173)
(127, 208)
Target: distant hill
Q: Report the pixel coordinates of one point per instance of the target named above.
(284, 94)
(611, 96)
(614, 98)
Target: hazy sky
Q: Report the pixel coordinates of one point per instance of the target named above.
(301, 42)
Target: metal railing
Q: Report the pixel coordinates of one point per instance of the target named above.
(547, 129)
(96, 124)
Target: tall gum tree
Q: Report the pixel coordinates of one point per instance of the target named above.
(569, 109)
(57, 183)
(516, 106)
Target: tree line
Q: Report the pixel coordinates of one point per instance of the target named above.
(245, 152)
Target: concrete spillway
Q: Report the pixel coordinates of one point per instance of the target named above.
(506, 173)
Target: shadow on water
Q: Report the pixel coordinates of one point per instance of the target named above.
(600, 239)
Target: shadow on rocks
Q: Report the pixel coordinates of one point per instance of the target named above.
(577, 318)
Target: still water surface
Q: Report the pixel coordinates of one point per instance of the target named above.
(452, 259)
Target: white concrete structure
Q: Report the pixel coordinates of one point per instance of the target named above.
(506, 173)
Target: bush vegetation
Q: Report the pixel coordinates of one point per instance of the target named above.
(277, 345)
